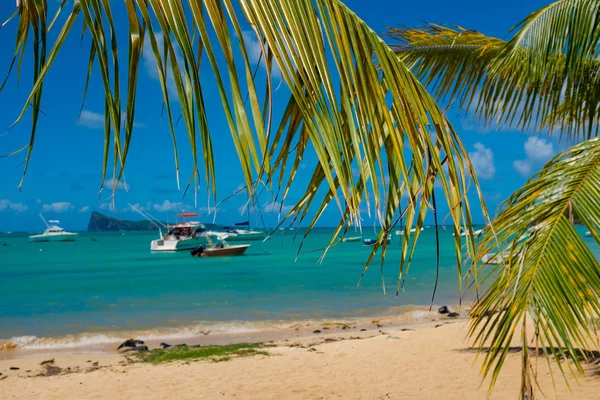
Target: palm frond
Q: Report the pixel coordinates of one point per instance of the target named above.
(549, 64)
(354, 102)
(548, 273)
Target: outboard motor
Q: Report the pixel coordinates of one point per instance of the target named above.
(197, 252)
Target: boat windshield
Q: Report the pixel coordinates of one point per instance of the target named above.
(181, 232)
(54, 229)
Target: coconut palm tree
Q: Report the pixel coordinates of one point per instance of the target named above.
(545, 78)
(360, 106)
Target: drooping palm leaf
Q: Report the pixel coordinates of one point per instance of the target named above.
(548, 273)
(353, 102)
(548, 67)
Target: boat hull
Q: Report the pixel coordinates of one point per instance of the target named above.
(226, 251)
(159, 245)
(352, 239)
(54, 238)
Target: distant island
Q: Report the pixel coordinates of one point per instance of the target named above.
(103, 223)
(100, 223)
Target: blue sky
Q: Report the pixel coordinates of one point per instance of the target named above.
(65, 172)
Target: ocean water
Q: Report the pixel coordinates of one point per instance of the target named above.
(105, 283)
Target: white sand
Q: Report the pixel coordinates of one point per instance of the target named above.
(429, 363)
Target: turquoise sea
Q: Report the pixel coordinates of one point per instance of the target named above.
(106, 283)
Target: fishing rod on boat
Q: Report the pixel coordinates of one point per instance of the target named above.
(154, 221)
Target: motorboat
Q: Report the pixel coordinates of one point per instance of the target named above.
(53, 233)
(352, 239)
(413, 230)
(588, 233)
(186, 235)
(243, 235)
(220, 250)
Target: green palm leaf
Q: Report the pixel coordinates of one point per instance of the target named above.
(545, 76)
(354, 103)
(548, 274)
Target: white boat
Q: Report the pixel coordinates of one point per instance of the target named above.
(401, 232)
(352, 239)
(464, 233)
(53, 233)
(186, 235)
(495, 258)
(243, 235)
(588, 233)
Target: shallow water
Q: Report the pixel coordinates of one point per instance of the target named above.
(111, 282)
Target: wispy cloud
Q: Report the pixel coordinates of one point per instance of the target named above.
(276, 207)
(7, 205)
(112, 183)
(91, 120)
(168, 206)
(94, 120)
(84, 209)
(58, 207)
(255, 51)
(152, 69)
(470, 125)
(483, 162)
(538, 151)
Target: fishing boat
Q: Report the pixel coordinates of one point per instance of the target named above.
(352, 239)
(53, 233)
(186, 235)
(413, 230)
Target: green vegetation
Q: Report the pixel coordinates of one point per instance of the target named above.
(212, 353)
(100, 222)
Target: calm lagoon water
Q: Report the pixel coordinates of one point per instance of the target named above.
(111, 282)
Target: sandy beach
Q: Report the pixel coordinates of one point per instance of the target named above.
(383, 361)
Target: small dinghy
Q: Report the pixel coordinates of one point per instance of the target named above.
(352, 239)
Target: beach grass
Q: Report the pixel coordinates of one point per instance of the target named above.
(212, 353)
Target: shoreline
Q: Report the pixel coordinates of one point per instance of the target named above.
(221, 333)
(425, 360)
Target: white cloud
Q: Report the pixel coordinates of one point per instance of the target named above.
(84, 209)
(58, 207)
(276, 207)
(523, 167)
(91, 120)
(168, 206)
(539, 149)
(254, 53)
(7, 205)
(483, 162)
(95, 120)
(111, 183)
(151, 67)
(469, 125)
(106, 206)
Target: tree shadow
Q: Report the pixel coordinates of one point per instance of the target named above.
(588, 357)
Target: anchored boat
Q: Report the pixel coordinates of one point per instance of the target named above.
(186, 235)
(53, 233)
